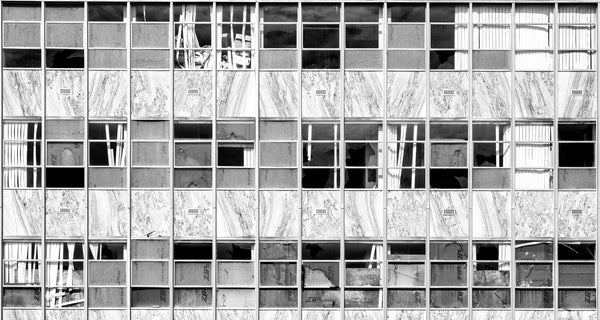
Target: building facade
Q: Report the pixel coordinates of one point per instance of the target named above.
(299, 160)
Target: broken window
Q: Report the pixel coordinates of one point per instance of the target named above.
(491, 155)
(150, 35)
(236, 156)
(64, 35)
(491, 37)
(107, 154)
(193, 274)
(449, 155)
(22, 154)
(235, 275)
(278, 154)
(64, 275)
(21, 35)
(193, 155)
(533, 274)
(320, 155)
(448, 275)
(107, 269)
(107, 35)
(320, 275)
(406, 155)
(534, 37)
(278, 275)
(21, 268)
(576, 155)
(533, 156)
(65, 153)
(320, 36)
(363, 275)
(193, 33)
(150, 274)
(364, 155)
(576, 275)
(449, 36)
(491, 275)
(236, 37)
(406, 275)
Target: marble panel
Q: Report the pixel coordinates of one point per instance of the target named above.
(23, 213)
(236, 94)
(193, 224)
(236, 214)
(406, 94)
(363, 94)
(108, 314)
(577, 105)
(22, 93)
(491, 214)
(107, 93)
(321, 214)
(321, 315)
(449, 224)
(449, 315)
(108, 213)
(65, 213)
(363, 315)
(150, 213)
(406, 315)
(576, 315)
(406, 214)
(491, 94)
(491, 315)
(59, 102)
(279, 94)
(65, 314)
(193, 315)
(449, 94)
(321, 94)
(278, 315)
(236, 315)
(198, 102)
(533, 214)
(140, 314)
(364, 213)
(279, 212)
(534, 95)
(22, 314)
(577, 224)
(534, 315)
(150, 92)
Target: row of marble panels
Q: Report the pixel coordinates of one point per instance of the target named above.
(322, 214)
(321, 94)
(294, 315)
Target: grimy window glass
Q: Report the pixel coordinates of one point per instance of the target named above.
(279, 26)
(21, 35)
(449, 36)
(321, 36)
(192, 36)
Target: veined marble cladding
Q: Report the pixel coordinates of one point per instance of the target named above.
(22, 314)
(363, 94)
(193, 315)
(321, 106)
(406, 214)
(491, 214)
(534, 214)
(491, 95)
(22, 93)
(406, 94)
(449, 225)
(193, 105)
(576, 106)
(406, 314)
(449, 105)
(108, 213)
(363, 315)
(107, 94)
(321, 214)
(492, 315)
(62, 224)
(23, 213)
(534, 315)
(279, 213)
(194, 225)
(150, 92)
(577, 225)
(236, 214)
(449, 315)
(150, 213)
(108, 314)
(66, 314)
(364, 213)
(70, 104)
(236, 94)
(321, 315)
(236, 315)
(534, 95)
(278, 314)
(150, 314)
(576, 315)
(279, 94)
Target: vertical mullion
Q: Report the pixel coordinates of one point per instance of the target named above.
(342, 162)
(2, 165)
(214, 159)
(597, 282)
(470, 148)
(513, 162)
(170, 102)
(555, 160)
(129, 152)
(427, 164)
(43, 155)
(299, 155)
(256, 51)
(384, 263)
(86, 161)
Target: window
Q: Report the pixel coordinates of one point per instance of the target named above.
(22, 155)
(320, 36)
(236, 154)
(491, 155)
(279, 26)
(193, 155)
(235, 275)
(21, 267)
(193, 275)
(363, 275)
(406, 36)
(192, 36)
(150, 35)
(320, 155)
(150, 154)
(406, 275)
(278, 275)
(364, 32)
(448, 155)
(278, 149)
(576, 155)
(534, 37)
(150, 274)
(491, 275)
(406, 155)
(491, 37)
(236, 36)
(107, 269)
(107, 154)
(64, 275)
(364, 155)
(21, 35)
(448, 275)
(449, 36)
(106, 35)
(534, 274)
(577, 37)
(320, 275)
(65, 153)
(533, 156)
(64, 35)
(576, 275)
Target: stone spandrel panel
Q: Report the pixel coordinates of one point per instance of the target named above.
(108, 92)
(363, 94)
(406, 214)
(279, 94)
(406, 95)
(491, 95)
(236, 94)
(193, 96)
(491, 214)
(321, 94)
(65, 93)
(22, 93)
(108, 213)
(363, 214)
(150, 94)
(65, 213)
(449, 95)
(321, 214)
(534, 95)
(23, 214)
(577, 214)
(279, 214)
(449, 214)
(236, 214)
(576, 94)
(150, 213)
(534, 214)
(194, 214)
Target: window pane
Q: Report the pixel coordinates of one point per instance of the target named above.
(280, 13)
(321, 36)
(361, 13)
(407, 13)
(320, 13)
(279, 36)
(362, 36)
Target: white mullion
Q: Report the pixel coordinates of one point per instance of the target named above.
(86, 160)
(555, 155)
(127, 258)
(299, 157)
(342, 160)
(214, 28)
(427, 163)
(43, 156)
(513, 160)
(470, 160)
(170, 103)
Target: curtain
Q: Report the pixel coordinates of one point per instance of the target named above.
(237, 36)
(116, 156)
(576, 37)
(538, 35)
(536, 156)
(15, 155)
(503, 149)
(19, 267)
(495, 36)
(461, 37)
(57, 276)
(396, 153)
